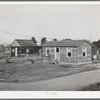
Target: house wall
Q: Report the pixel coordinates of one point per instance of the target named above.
(64, 58)
(77, 56)
(44, 51)
(82, 59)
(52, 52)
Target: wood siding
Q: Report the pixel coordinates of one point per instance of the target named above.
(52, 52)
(64, 58)
(80, 57)
(76, 56)
(63, 52)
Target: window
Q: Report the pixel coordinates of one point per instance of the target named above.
(84, 52)
(47, 51)
(23, 51)
(57, 49)
(69, 52)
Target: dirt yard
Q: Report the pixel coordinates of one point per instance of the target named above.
(22, 70)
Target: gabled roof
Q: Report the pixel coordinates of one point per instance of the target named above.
(25, 43)
(65, 43)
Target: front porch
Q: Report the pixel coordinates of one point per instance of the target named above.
(22, 51)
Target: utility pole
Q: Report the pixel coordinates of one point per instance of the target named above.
(92, 47)
(90, 36)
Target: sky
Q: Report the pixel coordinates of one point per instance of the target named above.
(51, 21)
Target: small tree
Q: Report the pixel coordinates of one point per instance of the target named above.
(43, 40)
(34, 40)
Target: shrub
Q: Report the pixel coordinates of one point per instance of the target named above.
(8, 60)
(32, 61)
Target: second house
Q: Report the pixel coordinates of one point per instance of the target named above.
(22, 47)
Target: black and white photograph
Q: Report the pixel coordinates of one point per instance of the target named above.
(49, 46)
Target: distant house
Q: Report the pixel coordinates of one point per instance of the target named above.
(2, 48)
(96, 49)
(8, 49)
(22, 47)
(69, 51)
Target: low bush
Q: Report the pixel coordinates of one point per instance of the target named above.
(91, 87)
(32, 61)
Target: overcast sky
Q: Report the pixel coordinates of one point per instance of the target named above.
(51, 21)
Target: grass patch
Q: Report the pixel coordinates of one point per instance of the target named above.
(25, 71)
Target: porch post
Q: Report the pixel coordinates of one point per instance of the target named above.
(16, 54)
(42, 54)
(20, 51)
(11, 52)
(55, 52)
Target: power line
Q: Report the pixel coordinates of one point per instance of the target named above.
(11, 33)
(15, 33)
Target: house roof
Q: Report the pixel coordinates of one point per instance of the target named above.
(8, 46)
(25, 43)
(66, 43)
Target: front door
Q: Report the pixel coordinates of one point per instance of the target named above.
(57, 53)
(15, 52)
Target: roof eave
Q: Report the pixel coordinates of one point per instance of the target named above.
(59, 46)
(87, 42)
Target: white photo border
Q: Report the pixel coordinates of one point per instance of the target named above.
(49, 94)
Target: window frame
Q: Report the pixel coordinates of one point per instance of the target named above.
(84, 49)
(47, 48)
(58, 49)
(67, 51)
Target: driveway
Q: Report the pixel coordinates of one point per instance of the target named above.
(70, 83)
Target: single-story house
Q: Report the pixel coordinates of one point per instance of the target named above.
(22, 47)
(69, 51)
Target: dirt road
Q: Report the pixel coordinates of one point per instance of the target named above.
(70, 83)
